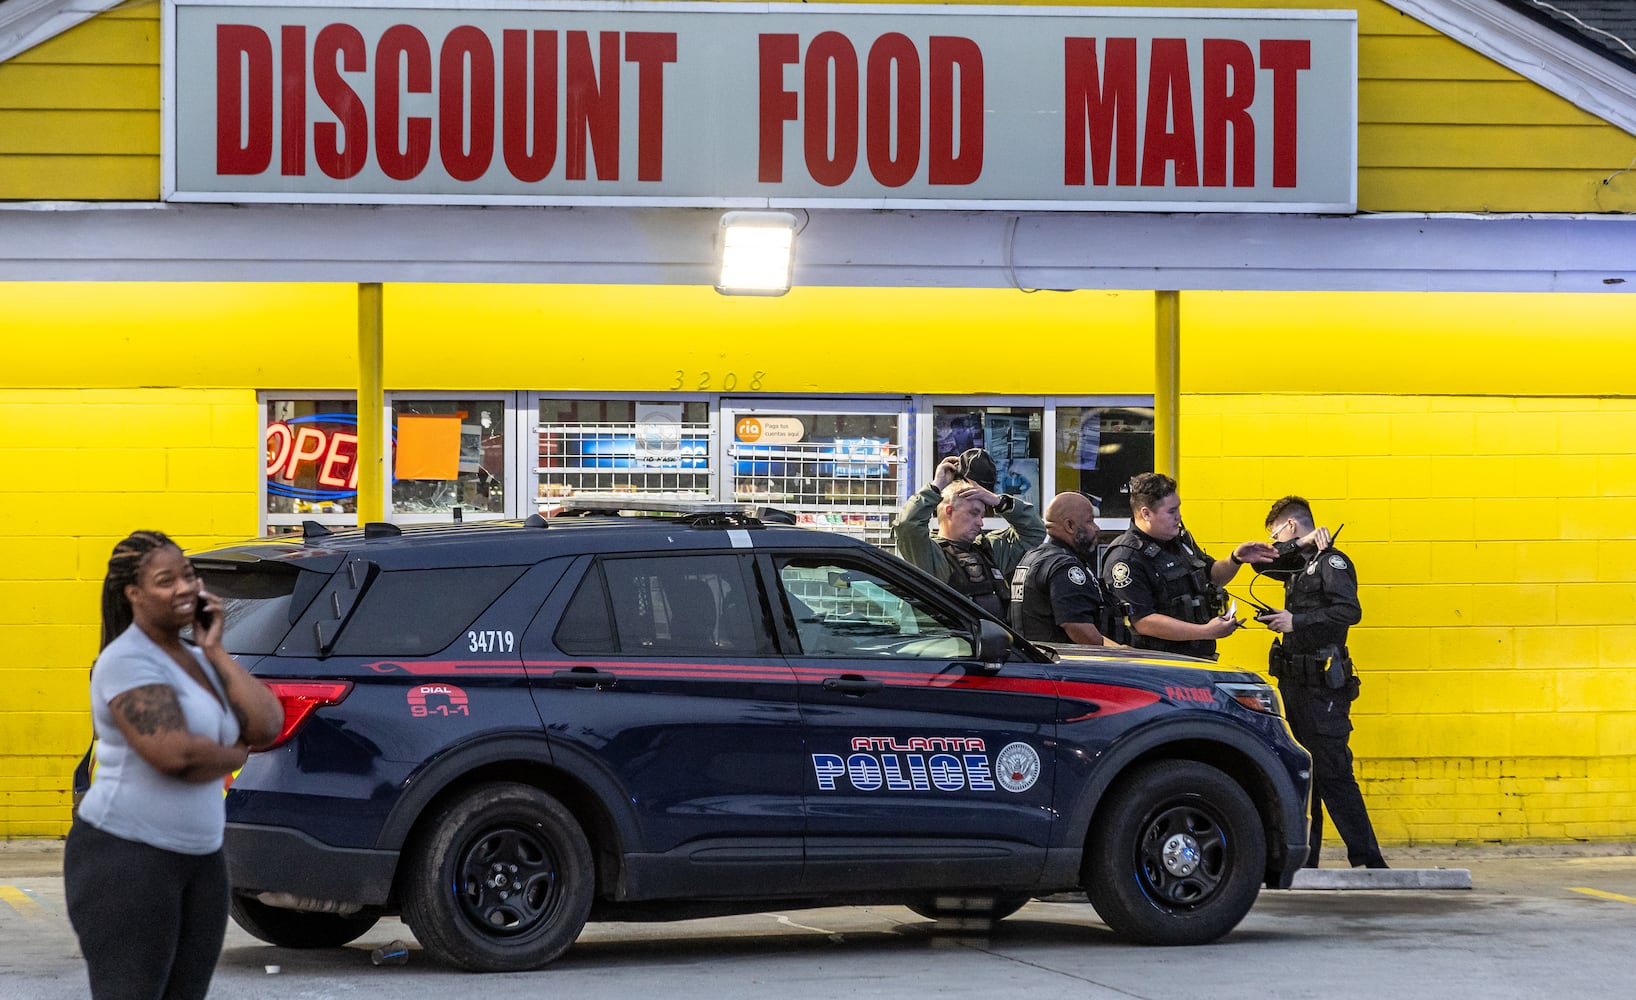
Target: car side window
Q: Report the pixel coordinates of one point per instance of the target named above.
(417, 612)
(688, 605)
(847, 610)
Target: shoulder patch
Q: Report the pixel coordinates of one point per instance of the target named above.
(1120, 574)
(1076, 575)
(1337, 560)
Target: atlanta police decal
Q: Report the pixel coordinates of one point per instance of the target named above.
(1120, 574)
(926, 763)
(1017, 767)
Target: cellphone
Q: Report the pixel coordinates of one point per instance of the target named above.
(1232, 609)
(202, 615)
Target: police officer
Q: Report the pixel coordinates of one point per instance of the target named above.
(976, 563)
(1314, 670)
(1054, 594)
(1171, 586)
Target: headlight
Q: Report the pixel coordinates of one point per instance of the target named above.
(1255, 697)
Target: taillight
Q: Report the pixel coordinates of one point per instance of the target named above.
(300, 699)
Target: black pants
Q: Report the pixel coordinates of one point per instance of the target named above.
(1321, 718)
(150, 921)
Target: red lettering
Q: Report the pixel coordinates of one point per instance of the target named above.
(893, 56)
(1285, 57)
(1229, 90)
(278, 447)
(310, 443)
(244, 99)
(402, 50)
(343, 450)
(650, 50)
(1100, 107)
(466, 49)
(529, 155)
(340, 147)
(777, 104)
(593, 106)
(293, 70)
(944, 166)
(1169, 102)
(831, 57)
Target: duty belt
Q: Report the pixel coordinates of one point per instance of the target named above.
(1328, 667)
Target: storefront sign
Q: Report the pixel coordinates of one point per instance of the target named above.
(762, 104)
(313, 457)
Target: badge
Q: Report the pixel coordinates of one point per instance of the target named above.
(1120, 574)
(1337, 561)
(1077, 576)
(1017, 767)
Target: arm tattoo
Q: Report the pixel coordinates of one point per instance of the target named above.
(150, 709)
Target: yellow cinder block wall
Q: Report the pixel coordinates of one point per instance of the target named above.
(80, 469)
(1478, 449)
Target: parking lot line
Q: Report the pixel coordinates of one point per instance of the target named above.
(1600, 894)
(19, 900)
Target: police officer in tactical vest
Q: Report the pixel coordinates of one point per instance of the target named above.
(1313, 666)
(1054, 593)
(976, 563)
(1171, 586)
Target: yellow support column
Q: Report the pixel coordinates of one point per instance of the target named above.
(1167, 322)
(371, 404)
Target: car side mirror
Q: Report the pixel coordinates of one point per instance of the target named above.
(993, 643)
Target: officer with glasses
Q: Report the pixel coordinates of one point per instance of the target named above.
(1313, 667)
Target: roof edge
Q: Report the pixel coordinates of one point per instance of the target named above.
(26, 23)
(1597, 85)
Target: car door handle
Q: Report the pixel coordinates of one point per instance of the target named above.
(852, 684)
(581, 677)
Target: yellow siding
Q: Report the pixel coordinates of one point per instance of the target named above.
(1441, 128)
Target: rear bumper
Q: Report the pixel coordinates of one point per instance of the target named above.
(277, 859)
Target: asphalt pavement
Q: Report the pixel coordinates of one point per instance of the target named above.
(1538, 922)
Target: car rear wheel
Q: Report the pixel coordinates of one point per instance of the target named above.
(299, 928)
(1177, 856)
(500, 880)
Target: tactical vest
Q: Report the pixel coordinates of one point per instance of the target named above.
(1031, 611)
(1185, 590)
(976, 576)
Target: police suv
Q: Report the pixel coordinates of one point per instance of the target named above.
(502, 731)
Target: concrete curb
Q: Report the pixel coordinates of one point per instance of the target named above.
(1382, 878)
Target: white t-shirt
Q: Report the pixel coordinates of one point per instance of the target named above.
(128, 798)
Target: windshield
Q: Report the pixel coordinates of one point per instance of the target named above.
(261, 600)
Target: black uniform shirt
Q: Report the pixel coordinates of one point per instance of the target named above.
(1150, 575)
(1053, 585)
(1321, 595)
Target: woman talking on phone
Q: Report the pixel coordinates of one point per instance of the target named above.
(143, 868)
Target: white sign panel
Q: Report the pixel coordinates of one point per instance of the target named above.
(775, 105)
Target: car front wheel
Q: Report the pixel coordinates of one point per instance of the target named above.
(500, 880)
(1177, 856)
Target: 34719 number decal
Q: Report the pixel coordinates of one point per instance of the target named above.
(491, 641)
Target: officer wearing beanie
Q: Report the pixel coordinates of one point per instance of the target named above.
(976, 563)
(1314, 670)
(1171, 586)
(1054, 593)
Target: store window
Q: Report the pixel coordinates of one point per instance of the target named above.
(1098, 450)
(311, 462)
(448, 454)
(1012, 435)
(623, 446)
(838, 465)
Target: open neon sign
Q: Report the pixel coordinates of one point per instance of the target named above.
(321, 448)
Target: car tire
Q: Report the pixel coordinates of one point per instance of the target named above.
(299, 928)
(961, 909)
(1177, 855)
(500, 880)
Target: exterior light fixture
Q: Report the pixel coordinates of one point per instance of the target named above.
(757, 253)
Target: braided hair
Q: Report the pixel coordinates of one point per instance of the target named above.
(123, 566)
